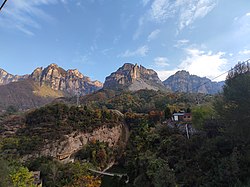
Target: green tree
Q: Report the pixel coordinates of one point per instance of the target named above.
(167, 113)
(159, 172)
(233, 106)
(200, 114)
(4, 173)
(21, 177)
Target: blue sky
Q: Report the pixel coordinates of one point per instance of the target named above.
(204, 37)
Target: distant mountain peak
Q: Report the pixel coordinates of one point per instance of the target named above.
(183, 81)
(184, 72)
(6, 78)
(133, 77)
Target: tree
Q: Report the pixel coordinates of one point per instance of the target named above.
(233, 106)
(21, 177)
(200, 114)
(167, 113)
(4, 173)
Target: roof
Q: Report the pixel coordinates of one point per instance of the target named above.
(178, 114)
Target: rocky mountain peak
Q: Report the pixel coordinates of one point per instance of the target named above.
(6, 78)
(182, 81)
(75, 73)
(53, 65)
(183, 73)
(133, 77)
(3, 72)
(71, 81)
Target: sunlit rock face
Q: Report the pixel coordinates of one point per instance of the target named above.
(133, 77)
(71, 80)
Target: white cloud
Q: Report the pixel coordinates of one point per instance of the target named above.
(245, 52)
(24, 30)
(192, 10)
(160, 10)
(201, 63)
(164, 74)
(106, 51)
(154, 34)
(248, 14)
(243, 25)
(181, 43)
(204, 64)
(161, 61)
(139, 28)
(141, 51)
(186, 11)
(23, 14)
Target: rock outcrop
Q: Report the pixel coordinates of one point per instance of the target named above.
(71, 81)
(65, 148)
(6, 78)
(133, 77)
(182, 81)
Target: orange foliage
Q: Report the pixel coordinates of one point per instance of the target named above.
(86, 181)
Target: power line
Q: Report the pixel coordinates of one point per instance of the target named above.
(196, 88)
(226, 72)
(3, 4)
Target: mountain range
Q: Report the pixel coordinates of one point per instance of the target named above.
(44, 85)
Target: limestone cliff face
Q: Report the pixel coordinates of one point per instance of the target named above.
(182, 81)
(6, 78)
(64, 149)
(71, 81)
(133, 77)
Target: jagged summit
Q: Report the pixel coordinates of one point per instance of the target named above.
(6, 78)
(182, 81)
(57, 78)
(133, 77)
(71, 80)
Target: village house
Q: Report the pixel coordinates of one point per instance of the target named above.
(182, 117)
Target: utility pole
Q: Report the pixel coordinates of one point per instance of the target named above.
(187, 131)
